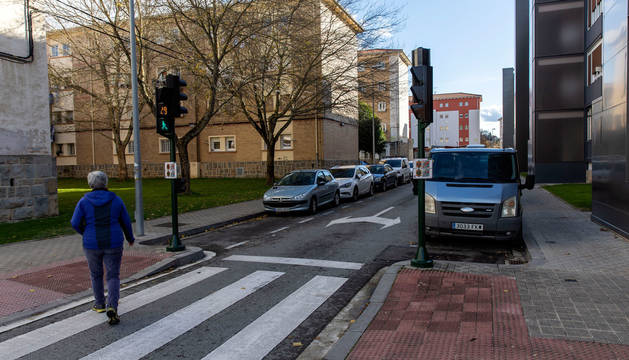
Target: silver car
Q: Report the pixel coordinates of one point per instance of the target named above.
(354, 180)
(401, 165)
(302, 190)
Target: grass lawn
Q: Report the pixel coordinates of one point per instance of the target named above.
(207, 193)
(577, 195)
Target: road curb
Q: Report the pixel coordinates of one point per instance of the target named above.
(344, 346)
(163, 240)
(188, 256)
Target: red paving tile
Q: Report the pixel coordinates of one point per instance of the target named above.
(488, 324)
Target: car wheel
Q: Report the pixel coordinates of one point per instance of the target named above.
(371, 190)
(384, 185)
(355, 194)
(313, 205)
(395, 183)
(337, 198)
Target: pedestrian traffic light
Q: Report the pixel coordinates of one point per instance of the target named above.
(174, 83)
(422, 93)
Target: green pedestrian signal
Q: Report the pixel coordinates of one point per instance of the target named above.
(164, 126)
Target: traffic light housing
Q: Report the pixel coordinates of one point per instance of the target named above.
(168, 105)
(422, 93)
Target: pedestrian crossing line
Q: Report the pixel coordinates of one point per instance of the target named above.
(296, 261)
(37, 339)
(160, 333)
(260, 337)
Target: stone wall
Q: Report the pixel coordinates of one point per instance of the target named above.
(28, 187)
(227, 169)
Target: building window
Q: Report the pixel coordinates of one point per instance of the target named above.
(286, 142)
(467, 103)
(447, 139)
(361, 68)
(461, 139)
(446, 127)
(440, 128)
(66, 49)
(467, 116)
(446, 116)
(595, 10)
(460, 116)
(467, 127)
(441, 139)
(441, 105)
(62, 117)
(382, 86)
(461, 103)
(71, 150)
(59, 149)
(447, 105)
(467, 139)
(380, 65)
(440, 116)
(215, 144)
(164, 146)
(230, 143)
(594, 63)
(130, 147)
(460, 127)
(384, 127)
(382, 106)
(54, 50)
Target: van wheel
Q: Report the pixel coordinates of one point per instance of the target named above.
(313, 205)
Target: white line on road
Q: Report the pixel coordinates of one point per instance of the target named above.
(296, 261)
(236, 245)
(160, 333)
(384, 211)
(306, 220)
(32, 341)
(260, 337)
(344, 206)
(278, 230)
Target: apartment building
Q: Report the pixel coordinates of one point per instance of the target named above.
(228, 146)
(579, 105)
(383, 82)
(456, 120)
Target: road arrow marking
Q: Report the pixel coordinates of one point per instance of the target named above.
(375, 219)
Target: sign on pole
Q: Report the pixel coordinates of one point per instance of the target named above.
(422, 169)
(170, 170)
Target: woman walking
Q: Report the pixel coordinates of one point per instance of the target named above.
(101, 217)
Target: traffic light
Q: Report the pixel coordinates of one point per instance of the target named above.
(168, 105)
(422, 93)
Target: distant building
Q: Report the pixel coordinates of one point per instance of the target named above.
(28, 182)
(500, 122)
(456, 121)
(507, 125)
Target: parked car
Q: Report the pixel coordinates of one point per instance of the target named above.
(302, 190)
(475, 192)
(401, 166)
(354, 180)
(384, 177)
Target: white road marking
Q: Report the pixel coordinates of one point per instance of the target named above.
(72, 305)
(160, 333)
(306, 220)
(39, 338)
(278, 230)
(260, 337)
(236, 245)
(296, 261)
(344, 206)
(375, 219)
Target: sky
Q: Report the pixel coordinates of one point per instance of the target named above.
(470, 41)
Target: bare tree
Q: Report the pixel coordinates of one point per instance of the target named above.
(302, 64)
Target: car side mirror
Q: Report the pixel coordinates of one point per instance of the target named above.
(320, 182)
(529, 183)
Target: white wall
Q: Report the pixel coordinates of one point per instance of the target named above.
(398, 94)
(444, 131)
(24, 110)
(474, 127)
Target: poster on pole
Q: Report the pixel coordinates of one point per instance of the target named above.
(422, 169)
(170, 170)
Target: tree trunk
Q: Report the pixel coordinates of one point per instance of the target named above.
(184, 159)
(122, 162)
(270, 164)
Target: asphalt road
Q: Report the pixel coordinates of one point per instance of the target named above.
(274, 285)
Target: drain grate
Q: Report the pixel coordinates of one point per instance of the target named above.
(570, 280)
(169, 224)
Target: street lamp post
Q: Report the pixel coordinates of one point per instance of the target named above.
(137, 159)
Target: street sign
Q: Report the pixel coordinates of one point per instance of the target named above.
(422, 169)
(170, 170)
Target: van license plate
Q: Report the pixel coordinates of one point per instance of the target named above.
(470, 227)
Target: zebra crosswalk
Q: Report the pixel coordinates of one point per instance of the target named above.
(253, 340)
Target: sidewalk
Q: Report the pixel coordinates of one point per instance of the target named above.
(570, 302)
(37, 273)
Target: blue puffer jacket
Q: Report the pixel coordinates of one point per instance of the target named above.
(101, 217)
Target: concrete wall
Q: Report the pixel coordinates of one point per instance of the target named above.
(27, 177)
(474, 126)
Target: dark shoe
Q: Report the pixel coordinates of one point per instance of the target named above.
(99, 308)
(112, 314)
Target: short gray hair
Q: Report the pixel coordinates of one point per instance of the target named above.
(97, 180)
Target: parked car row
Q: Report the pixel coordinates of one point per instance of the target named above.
(307, 190)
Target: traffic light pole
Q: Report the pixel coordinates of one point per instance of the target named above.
(175, 242)
(137, 157)
(421, 57)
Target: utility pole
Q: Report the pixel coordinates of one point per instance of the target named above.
(373, 125)
(422, 109)
(137, 158)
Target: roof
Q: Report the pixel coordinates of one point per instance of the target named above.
(400, 52)
(340, 11)
(436, 150)
(458, 95)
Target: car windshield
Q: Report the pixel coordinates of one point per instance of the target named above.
(342, 173)
(474, 167)
(376, 169)
(394, 163)
(297, 179)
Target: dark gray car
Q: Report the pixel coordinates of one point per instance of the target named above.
(302, 190)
